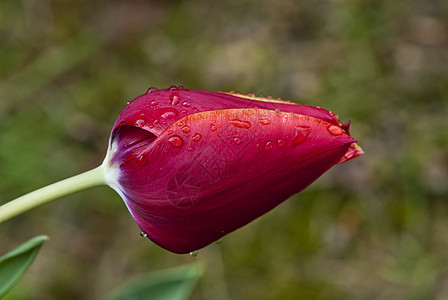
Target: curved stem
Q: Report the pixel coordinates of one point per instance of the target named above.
(53, 191)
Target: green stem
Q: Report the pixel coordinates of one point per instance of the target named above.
(53, 191)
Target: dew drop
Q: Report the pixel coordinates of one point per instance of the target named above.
(185, 129)
(140, 122)
(258, 146)
(279, 113)
(251, 95)
(237, 140)
(181, 88)
(197, 137)
(213, 127)
(194, 253)
(176, 141)
(168, 113)
(269, 145)
(153, 103)
(142, 160)
(280, 143)
(173, 88)
(170, 132)
(264, 121)
(183, 111)
(300, 135)
(240, 123)
(190, 149)
(151, 90)
(174, 99)
(335, 130)
(333, 115)
(143, 234)
(186, 104)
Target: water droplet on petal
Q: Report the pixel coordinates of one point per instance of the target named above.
(213, 127)
(335, 130)
(142, 160)
(174, 99)
(176, 141)
(279, 113)
(194, 253)
(143, 234)
(181, 88)
(300, 135)
(140, 122)
(153, 103)
(168, 113)
(237, 140)
(173, 88)
(240, 123)
(197, 137)
(190, 149)
(280, 143)
(264, 121)
(151, 90)
(170, 131)
(185, 129)
(183, 111)
(333, 115)
(186, 104)
(269, 144)
(251, 95)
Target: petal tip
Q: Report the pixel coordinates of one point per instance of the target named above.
(353, 151)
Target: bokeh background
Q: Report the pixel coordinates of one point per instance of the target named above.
(373, 228)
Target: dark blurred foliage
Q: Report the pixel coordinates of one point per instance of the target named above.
(373, 228)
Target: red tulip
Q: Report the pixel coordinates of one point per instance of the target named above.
(193, 166)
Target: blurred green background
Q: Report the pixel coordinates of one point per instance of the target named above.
(373, 228)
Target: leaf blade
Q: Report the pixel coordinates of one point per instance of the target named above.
(172, 284)
(14, 264)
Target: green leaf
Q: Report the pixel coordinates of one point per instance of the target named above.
(172, 284)
(15, 263)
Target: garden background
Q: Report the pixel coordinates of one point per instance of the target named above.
(373, 228)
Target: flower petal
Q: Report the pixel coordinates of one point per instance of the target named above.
(215, 171)
(156, 110)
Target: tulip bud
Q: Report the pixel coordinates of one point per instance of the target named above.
(193, 166)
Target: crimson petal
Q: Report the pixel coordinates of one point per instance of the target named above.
(206, 173)
(156, 110)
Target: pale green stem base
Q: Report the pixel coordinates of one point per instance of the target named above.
(51, 192)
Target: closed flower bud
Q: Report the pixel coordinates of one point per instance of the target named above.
(193, 166)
